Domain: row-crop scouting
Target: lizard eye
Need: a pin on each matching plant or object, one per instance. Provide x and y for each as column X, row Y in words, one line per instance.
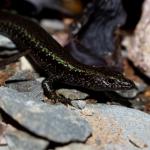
column 110, row 81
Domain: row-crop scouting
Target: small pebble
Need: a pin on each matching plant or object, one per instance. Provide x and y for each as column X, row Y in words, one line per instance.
column 72, row 94
column 79, row 104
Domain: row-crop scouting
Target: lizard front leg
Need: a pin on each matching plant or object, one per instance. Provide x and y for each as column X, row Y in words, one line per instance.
column 49, row 91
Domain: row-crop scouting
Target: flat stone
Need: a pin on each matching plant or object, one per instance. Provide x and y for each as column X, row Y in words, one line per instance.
column 79, row 104
column 119, row 126
column 18, row 140
column 31, row 88
column 72, row 94
column 54, row 122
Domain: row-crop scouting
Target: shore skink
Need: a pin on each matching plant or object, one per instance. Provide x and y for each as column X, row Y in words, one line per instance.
column 56, row 63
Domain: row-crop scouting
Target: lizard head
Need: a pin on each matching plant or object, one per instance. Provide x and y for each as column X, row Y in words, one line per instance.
column 110, row 80
column 113, row 83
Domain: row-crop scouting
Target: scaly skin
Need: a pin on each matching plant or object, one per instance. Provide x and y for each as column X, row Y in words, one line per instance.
column 55, row 61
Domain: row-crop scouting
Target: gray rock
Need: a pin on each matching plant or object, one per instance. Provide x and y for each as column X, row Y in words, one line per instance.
column 31, row 88
column 18, row 140
column 80, row 104
column 5, row 42
column 72, row 94
column 119, row 125
column 128, row 93
column 26, row 81
column 55, row 122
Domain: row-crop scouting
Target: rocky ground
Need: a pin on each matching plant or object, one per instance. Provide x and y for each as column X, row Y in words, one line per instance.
column 32, row 124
